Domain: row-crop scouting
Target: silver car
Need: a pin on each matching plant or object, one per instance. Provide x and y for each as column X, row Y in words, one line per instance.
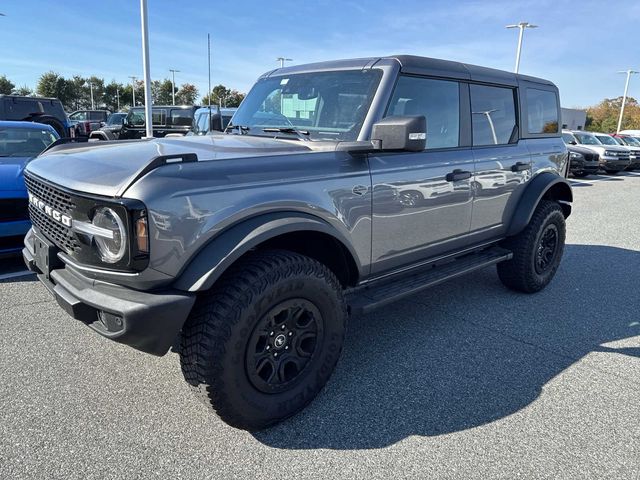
column 613, row 158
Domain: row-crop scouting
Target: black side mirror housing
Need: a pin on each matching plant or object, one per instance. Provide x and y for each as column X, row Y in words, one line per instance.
column 405, row 133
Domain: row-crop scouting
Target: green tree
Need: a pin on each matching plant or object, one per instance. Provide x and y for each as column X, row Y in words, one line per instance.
column 603, row 117
column 111, row 93
column 224, row 97
column 54, row 85
column 187, row 94
column 23, row 91
column 6, row 85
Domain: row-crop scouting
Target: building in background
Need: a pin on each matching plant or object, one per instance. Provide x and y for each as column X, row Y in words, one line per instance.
column 573, row 119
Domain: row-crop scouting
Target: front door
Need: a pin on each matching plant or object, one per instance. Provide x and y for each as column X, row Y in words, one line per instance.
column 421, row 200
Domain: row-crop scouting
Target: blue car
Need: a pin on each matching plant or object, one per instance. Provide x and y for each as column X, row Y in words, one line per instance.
column 19, row 143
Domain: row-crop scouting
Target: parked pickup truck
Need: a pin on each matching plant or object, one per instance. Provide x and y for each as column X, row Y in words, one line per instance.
column 247, row 251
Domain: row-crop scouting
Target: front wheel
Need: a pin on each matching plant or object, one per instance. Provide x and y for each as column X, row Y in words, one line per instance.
column 262, row 344
column 537, row 250
column 580, row 174
column 611, row 172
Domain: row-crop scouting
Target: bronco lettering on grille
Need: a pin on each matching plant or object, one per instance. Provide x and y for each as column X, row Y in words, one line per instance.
column 49, row 211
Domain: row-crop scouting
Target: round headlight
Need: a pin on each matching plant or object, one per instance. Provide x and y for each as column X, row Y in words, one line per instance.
column 111, row 249
column 575, row 156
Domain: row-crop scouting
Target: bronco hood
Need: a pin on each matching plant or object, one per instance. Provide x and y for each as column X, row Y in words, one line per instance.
column 109, row 168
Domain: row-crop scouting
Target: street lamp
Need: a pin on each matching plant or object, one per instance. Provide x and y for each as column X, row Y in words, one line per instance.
column 521, row 26
column 118, row 97
column 91, row 90
column 144, row 23
column 173, row 85
column 282, row 60
column 624, row 97
column 133, row 87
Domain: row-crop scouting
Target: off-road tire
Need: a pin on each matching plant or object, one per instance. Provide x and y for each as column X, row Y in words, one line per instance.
column 611, row 172
column 215, row 339
column 520, row 273
column 53, row 122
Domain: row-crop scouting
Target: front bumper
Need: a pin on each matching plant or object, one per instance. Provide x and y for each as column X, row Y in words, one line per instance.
column 579, row 165
column 146, row 321
column 614, row 163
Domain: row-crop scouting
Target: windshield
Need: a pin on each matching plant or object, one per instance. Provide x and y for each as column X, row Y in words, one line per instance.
column 568, row 138
column 631, row 141
column 136, row 117
column 116, row 118
column 587, row 139
column 606, row 140
column 322, row 105
column 24, row 142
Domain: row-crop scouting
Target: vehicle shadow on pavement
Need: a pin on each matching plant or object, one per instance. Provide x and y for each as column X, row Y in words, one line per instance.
column 468, row 352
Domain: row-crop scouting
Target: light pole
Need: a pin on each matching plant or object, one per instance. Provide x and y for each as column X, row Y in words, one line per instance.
column 173, row 85
column 118, row 97
column 91, row 90
column 144, row 22
column 521, row 26
column 624, row 97
column 282, row 60
column 133, row 89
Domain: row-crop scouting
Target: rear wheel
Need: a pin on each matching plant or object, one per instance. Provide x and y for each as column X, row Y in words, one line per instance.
column 53, row 122
column 262, row 344
column 611, row 172
column 537, row 250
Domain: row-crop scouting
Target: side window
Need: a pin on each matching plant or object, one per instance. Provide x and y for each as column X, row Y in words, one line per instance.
column 159, row 117
column 542, row 111
column 493, row 115
column 182, row 117
column 437, row 100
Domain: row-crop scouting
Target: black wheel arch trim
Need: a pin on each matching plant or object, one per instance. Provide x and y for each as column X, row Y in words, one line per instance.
column 538, row 187
column 208, row 264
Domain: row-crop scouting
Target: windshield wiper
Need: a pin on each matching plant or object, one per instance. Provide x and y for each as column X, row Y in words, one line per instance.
column 240, row 128
column 302, row 134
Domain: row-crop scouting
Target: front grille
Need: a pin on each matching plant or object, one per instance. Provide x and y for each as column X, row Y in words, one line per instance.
column 59, row 234
column 590, row 156
column 12, row 209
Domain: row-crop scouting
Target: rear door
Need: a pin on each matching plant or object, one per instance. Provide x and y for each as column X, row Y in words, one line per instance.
column 502, row 162
column 422, row 200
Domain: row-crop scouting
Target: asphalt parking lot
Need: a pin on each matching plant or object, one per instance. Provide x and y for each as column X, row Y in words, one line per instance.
column 466, row 380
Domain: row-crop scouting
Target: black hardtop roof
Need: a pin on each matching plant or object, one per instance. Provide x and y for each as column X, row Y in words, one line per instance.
column 420, row 66
column 29, row 97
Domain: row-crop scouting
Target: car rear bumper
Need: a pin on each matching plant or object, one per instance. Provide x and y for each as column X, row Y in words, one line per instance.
column 146, row 321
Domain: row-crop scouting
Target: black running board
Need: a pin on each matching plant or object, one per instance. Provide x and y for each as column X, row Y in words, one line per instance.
column 365, row 299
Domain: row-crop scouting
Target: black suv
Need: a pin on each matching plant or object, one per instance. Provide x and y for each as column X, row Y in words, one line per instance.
column 166, row 119
column 37, row 109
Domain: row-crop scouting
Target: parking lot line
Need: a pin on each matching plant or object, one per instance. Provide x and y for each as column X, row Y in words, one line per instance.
column 22, row 273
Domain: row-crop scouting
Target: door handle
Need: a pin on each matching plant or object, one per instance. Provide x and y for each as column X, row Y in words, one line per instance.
column 457, row 175
column 520, row 166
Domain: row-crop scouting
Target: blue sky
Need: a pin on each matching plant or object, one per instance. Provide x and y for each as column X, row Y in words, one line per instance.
column 580, row 44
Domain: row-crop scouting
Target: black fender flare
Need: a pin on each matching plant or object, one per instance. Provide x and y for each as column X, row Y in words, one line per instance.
column 206, row 266
column 544, row 184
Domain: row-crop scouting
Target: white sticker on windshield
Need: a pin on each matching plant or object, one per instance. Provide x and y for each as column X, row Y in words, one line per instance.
column 284, row 81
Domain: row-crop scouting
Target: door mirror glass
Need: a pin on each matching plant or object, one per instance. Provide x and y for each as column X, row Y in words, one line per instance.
column 406, row 133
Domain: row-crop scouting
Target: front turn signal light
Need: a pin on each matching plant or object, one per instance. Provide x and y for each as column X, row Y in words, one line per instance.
column 142, row 235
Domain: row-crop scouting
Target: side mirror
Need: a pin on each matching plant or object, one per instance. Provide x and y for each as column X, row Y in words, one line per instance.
column 405, row 133
column 573, row 142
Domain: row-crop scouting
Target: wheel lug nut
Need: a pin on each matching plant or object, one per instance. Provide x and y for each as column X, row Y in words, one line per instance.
column 271, row 334
column 282, row 328
column 290, row 333
column 287, row 347
column 268, row 347
column 275, row 354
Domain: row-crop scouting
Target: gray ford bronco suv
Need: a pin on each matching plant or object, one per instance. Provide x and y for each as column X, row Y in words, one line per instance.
column 337, row 188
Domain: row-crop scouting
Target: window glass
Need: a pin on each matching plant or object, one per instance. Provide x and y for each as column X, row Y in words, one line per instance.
column 437, row 100
column 326, row 105
column 542, row 111
column 159, row 117
column 493, row 115
column 24, row 142
column 181, row 117
column 568, row 138
column 78, row 116
column 587, row 139
column 606, row 140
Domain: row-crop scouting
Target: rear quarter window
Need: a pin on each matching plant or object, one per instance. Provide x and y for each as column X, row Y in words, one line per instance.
column 542, row 111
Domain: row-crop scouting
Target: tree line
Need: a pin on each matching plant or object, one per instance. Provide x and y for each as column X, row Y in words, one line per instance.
column 75, row 93
column 604, row 116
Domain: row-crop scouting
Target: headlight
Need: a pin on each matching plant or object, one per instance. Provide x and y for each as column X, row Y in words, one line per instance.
column 575, row 156
column 112, row 249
